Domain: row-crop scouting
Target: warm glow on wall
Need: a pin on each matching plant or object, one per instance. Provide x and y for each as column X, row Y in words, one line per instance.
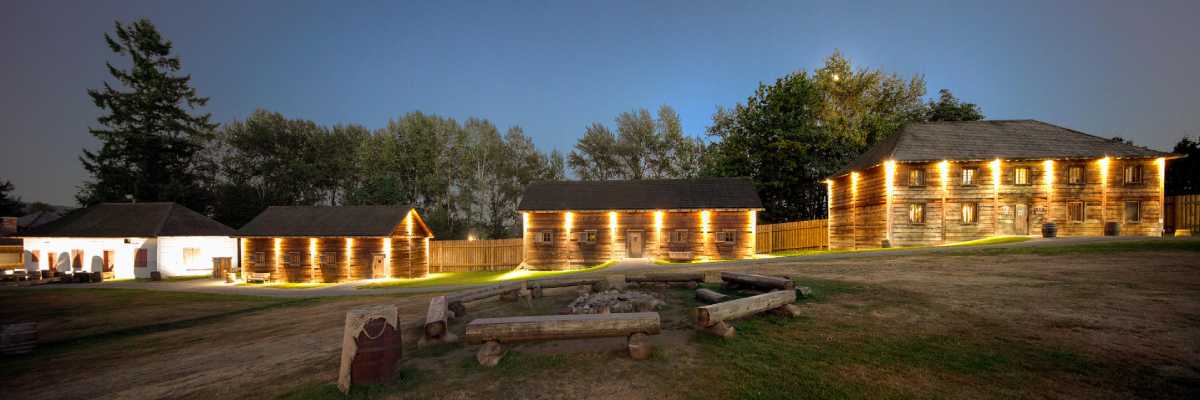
column 1103, row 188
column 524, row 222
column 387, row 257
column 889, row 177
column 349, row 256
column 312, row 259
column 854, row 183
column 658, row 220
column 568, row 220
column 612, row 224
column 278, row 250
column 995, row 166
column 1104, row 170
column 408, row 223
column 944, row 174
column 705, row 217
column 1161, row 163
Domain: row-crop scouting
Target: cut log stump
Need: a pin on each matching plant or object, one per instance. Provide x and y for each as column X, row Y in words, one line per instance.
column 490, row 354
column 640, row 347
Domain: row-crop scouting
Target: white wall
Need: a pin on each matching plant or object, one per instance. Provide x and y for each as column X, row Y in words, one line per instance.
column 170, row 254
column 93, row 254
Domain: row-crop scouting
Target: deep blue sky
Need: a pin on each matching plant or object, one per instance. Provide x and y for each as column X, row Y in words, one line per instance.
column 1116, row 68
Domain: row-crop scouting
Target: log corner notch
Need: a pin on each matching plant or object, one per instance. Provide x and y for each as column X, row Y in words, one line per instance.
column 437, row 327
column 713, row 318
column 737, row 280
column 492, row 332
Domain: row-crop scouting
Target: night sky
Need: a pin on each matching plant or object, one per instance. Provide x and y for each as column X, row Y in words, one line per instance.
column 1107, row 68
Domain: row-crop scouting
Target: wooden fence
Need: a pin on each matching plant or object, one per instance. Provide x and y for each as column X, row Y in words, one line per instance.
column 1183, row 212
column 474, row 255
column 813, row 234
column 11, row 257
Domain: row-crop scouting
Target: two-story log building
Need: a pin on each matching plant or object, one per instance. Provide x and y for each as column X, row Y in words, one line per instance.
column 575, row 224
column 942, row 182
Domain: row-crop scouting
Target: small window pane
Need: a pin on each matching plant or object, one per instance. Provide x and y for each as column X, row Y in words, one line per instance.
column 679, row 236
column 1133, row 174
column 916, row 213
column 1133, row 211
column 1021, row 176
column 968, row 176
column 916, row 177
column 969, row 211
column 1075, row 175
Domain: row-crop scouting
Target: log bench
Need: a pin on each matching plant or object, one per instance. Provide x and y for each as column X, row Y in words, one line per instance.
column 692, row 279
column 457, row 302
column 679, row 255
column 712, row 318
column 491, row 332
column 738, row 280
column 537, row 286
column 258, row 277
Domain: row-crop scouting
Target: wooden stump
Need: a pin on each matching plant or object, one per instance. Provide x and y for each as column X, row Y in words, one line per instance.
column 490, row 354
column 436, row 318
column 640, row 347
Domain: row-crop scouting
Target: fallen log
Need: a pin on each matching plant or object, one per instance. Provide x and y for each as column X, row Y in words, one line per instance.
column 758, row 281
column 677, row 277
column 594, row 284
column 712, row 314
column 494, row 331
column 710, row 296
column 435, row 318
column 457, row 302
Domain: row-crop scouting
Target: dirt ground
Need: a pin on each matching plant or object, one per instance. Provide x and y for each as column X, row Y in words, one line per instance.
column 1110, row 325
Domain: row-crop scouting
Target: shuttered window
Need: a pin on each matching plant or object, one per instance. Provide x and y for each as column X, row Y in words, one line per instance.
column 726, row 237
column 916, row 177
column 968, row 176
column 543, row 237
column 1075, row 212
column 1020, row 176
column 292, row 259
column 588, row 236
column 328, row 259
column 1133, row 174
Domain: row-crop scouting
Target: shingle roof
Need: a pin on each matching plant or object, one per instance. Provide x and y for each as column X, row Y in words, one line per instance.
column 310, row 221
column 131, row 220
column 686, row 194
column 986, row 140
column 39, row 218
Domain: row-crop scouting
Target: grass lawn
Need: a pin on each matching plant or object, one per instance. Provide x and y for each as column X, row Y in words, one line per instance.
column 476, row 278
column 1186, row 245
column 288, row 285
column 977, row 242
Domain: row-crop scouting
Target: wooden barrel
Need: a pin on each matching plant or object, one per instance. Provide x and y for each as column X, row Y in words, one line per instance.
column 18, row 338
column 1049, row 230
column 1112, row 229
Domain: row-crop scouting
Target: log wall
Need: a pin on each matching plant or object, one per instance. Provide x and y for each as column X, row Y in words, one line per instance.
column 350, row 258
column 858, row 219
column 610, row 244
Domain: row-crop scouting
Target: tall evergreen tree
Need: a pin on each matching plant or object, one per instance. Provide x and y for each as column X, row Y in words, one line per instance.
column 151, row 142
column 9, row 206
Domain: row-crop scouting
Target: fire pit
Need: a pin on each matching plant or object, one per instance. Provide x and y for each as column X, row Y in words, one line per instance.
column 613, row 301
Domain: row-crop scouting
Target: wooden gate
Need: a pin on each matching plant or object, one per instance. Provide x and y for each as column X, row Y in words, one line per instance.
column 1182, row 212
column 475, row 255
column 222, row 266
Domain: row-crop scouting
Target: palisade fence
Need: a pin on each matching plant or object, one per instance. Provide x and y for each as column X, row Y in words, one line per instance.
column 1183, row 212
column 812, row 234
column 474, row 255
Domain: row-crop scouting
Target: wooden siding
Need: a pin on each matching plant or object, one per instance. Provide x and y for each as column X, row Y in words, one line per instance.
column 352, row 258
column 563, row 252
column 859, row 220
column 813, row 234
column 12, row 257
column 474, row 255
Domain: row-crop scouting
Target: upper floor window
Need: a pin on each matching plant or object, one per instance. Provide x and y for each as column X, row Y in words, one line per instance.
column 1075, row 175
column 968, row 176
column 1021, row 176
column 1133, row 174
column 916, row 177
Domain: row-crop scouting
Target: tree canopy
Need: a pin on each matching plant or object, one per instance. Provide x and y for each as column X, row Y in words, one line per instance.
column 9, row 206
column 1183, row 174
column 949, row 108
column 149, row 138
column 644, row 147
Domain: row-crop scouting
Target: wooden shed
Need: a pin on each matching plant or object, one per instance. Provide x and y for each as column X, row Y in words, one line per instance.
column 943, row 182
column 570, row 224
column 335, row 244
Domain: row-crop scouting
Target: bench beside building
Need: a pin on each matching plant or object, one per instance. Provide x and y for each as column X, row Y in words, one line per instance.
column 130, row 240
column 943, row 182
column 336, row 244
column 571, row 224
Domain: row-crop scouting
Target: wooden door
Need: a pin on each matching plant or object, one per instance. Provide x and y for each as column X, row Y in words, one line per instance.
column 1021, row 220
column 222, row 266
column 634, row 240
column 108, row 261
column 377, row 267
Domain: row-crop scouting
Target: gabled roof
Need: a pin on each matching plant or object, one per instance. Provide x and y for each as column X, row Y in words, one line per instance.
column 131, row 220
column 987, row 140
column 38, row 218
column 326, row 221
column 665, row 194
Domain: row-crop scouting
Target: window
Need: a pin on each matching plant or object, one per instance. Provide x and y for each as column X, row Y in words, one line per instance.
column 1021, row 176
column 191, row 257
column 77, row 259
column 1133, row 211
column 679, row 236
column 1133, row 174
column 544, row 237
column 916, row 213
column 916, row 177
column 1075, row 211
column 328, row 259
column 588, row 236
column 968, row 176
column 292, row 259
column 1075, row 175
column 141, row 259
column 970, row 213
column 726, row 237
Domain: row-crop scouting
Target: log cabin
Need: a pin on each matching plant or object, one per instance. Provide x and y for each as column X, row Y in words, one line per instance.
column 336, row 244
column 571, row 224
column 942, row 182
column 130, row 240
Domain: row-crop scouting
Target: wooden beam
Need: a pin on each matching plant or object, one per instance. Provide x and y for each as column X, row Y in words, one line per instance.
column 545, row 327
column 758, row 281
column 710, row 297
column 712, row 314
